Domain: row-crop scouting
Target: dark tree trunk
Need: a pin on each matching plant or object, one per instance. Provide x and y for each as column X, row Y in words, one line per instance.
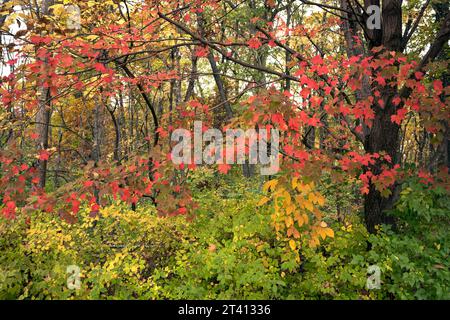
column 42, row 128
column 383, row 137
column 384, row 134
column 441, row 11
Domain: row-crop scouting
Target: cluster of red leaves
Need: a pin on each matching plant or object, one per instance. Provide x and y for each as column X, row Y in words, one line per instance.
column 324, row 85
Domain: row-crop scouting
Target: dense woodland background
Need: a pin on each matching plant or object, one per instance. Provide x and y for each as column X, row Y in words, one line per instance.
column 88, row 105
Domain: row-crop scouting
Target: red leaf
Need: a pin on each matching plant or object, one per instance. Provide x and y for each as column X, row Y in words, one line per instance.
column 396, row 101
column 398, row 118
column 66, row 61
column 380, row 80
column 418, row 75
column 75, row 206
column 11, row 205
column 201, row 52
column 100, row 67
column 89, row 183
column 224, row 168
column 317, row 60
column 44, row 155
column 438, row 87
column 254, row 43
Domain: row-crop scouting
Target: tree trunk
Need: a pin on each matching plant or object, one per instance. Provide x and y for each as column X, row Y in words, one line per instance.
column 42, row 129
column 193, row 77
column 441, row 11
column 43, row 113
column 383, row 137
column 384, row 134
column 97, row 130
column 216, row 72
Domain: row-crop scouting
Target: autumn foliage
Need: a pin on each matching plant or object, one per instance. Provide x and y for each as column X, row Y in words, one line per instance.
column 87, row 112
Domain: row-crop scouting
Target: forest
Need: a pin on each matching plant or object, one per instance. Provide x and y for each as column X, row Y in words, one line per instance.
column 224, row 150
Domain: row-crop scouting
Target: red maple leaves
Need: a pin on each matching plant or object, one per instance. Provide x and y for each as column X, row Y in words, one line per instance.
column 44, row 155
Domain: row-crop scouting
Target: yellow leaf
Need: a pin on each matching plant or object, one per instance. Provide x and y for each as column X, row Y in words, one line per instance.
column 308, row 205
column 134, row 269
column 292, row 244
column 289, row 222
column 305, row 188
column 314, row 242
column 263, row 201
column 290, row 209
column 322, row 233
column 305, row 218
column 320, row 200
column 329, row 232
column 299, row 219
column 316, row 198
column 312, row 198
column 58, row 9
column 290, row 231
column 270, row 185
column 287, row 198
column 294, row 182
column 92, row 37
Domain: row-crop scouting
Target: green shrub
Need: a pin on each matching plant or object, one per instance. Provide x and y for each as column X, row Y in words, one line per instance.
column 417, row 254
column 229, row 251
column 233, row 255
column 116, row 253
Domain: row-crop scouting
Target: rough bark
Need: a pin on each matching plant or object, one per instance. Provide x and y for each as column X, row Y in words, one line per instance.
column 384, row 134
column 43, row 113
column 441, row 11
